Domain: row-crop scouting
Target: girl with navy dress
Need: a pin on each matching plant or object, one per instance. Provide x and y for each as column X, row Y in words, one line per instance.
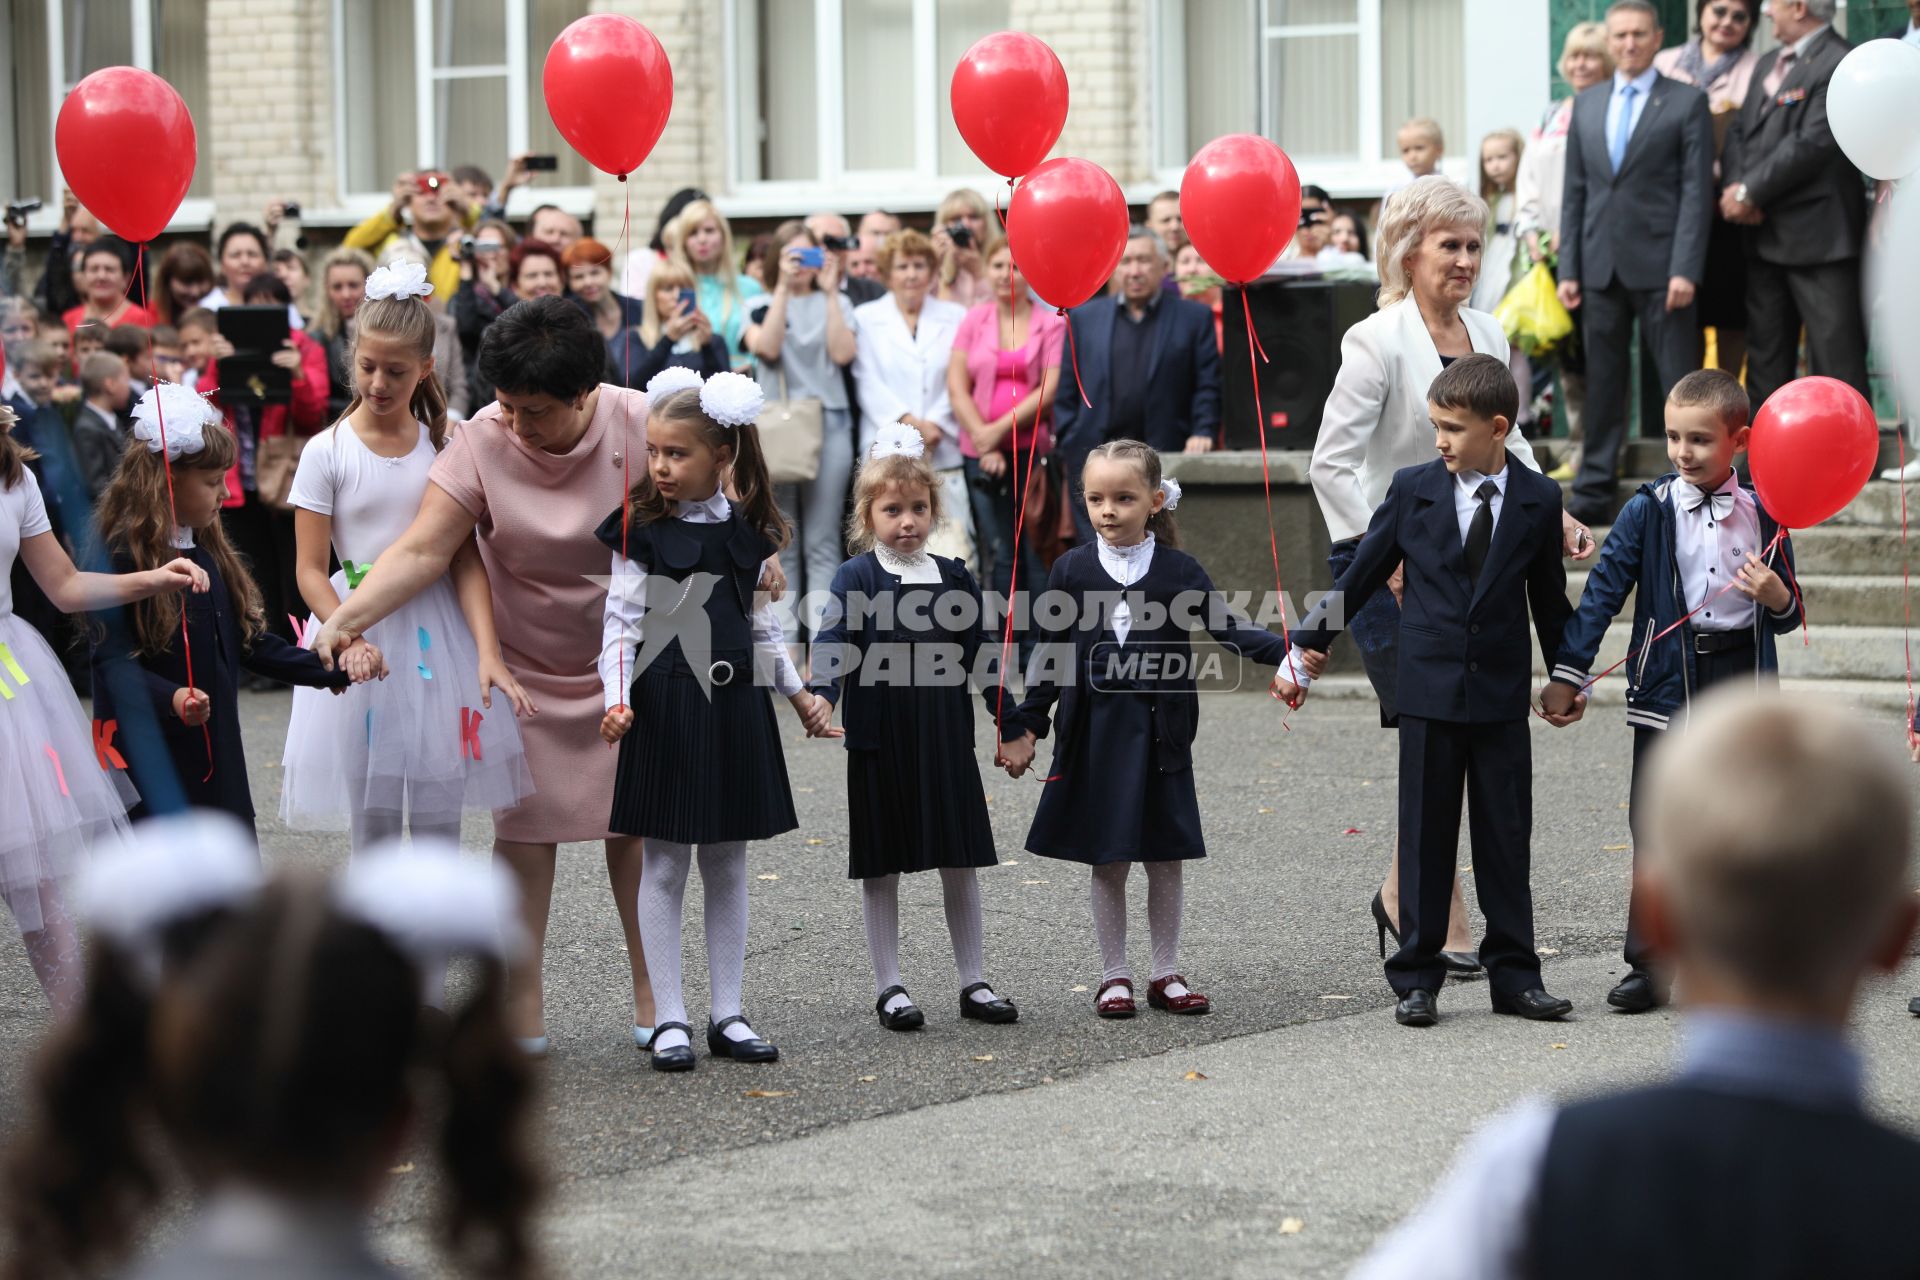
column 903, row 634
column 686, row 657
column 1116, row 678
column 226, row 629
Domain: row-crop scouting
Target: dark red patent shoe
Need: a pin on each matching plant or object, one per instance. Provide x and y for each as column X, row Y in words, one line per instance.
column 1114, row 1006
column 1191, row 1002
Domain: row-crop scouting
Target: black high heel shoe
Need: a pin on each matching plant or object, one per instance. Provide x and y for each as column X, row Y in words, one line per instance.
column 906, row 1018
column 1386, row 923
column 678, row 1058
column 720, row 1046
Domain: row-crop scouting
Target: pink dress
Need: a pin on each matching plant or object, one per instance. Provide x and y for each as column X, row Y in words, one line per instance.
column 979, row 338
column 536, row 513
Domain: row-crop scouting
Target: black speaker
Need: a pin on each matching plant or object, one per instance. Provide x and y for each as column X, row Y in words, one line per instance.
column 1299, row 324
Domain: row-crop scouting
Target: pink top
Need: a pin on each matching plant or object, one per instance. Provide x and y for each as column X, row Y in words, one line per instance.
column 537, row 512
column 979, row 337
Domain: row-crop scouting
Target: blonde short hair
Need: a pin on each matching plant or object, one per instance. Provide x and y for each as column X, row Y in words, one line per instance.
column 1423, row 205
column 1772, row 818
column 1585, row 37
column 1424, row 127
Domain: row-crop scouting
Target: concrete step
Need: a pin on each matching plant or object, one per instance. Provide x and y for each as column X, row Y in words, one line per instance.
column 1877, row 504
column 1832, row 548
column 1834, row 600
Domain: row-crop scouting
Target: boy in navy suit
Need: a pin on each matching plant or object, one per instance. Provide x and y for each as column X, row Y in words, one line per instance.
column 1770, row 819
column 1676, row 546
column 1481, row 542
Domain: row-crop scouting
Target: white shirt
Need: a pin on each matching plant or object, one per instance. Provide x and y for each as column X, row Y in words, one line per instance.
column 23, row 515
column 1711, row 548
column 627, row 604
column 1643, row 85
column 918, row 567
column 219, row 299
column 1466, row 486
column 370, row 498
column 10, row 388
column 1126, row 566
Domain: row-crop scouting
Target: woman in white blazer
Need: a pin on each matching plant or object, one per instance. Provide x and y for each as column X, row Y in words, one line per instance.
column 900, row 375
column 1375, row 423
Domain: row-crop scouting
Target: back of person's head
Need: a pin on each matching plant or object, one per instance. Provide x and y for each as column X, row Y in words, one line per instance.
column 129, row 342
column 1777, row 850
column 200, row 319
column 1425, row 128
column 1479, row 384
column 99, row 370
column 472, row 175
column 1716, row 390
column 542, row 346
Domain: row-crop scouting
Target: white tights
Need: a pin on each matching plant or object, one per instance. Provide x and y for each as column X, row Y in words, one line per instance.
column 960, row 890
column 55, row 954
column 664, row 866
column 1166, row 895
column 371, row 831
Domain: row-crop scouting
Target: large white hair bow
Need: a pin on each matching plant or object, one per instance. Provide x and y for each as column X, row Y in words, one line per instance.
column 171, row 869
column 732, row 399
column 675, row 377
column 1170, row 487
column 400, row 280
column 432, row 903
column 188, row 415
column 897, row 439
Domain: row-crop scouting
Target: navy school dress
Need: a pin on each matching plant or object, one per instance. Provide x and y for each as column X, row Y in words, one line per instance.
column 1121, row 785
column 215, row 630
column 694, row 770
column 914, row 799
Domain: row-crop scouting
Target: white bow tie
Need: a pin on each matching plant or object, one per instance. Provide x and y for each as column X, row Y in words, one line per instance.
column 1691, row 496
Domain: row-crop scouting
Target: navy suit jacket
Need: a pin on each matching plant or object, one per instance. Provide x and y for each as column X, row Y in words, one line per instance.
column 1183, row 377
column 1463, row 649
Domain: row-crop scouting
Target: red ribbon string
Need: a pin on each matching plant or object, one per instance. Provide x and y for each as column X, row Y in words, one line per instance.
column 626, row 421
column 996, row 206
column 1906, row 573
column 1019, row 526
column 1075, row 350
column 1266, row 481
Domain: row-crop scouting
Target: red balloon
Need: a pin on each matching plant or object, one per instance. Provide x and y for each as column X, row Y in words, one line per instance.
column 127, row 149
column 1240, row 205
column 1009, row 97
column 609, row 89
column 1814, row 446
column 1067, row 224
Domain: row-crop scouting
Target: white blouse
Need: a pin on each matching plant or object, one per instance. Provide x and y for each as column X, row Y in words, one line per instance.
column 1126, row 566
column 620, row 633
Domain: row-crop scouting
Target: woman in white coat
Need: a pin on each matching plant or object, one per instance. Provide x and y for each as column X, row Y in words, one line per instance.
column 900, row 375
column 1428, row 250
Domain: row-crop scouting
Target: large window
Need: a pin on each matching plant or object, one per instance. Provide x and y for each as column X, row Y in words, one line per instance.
column 48, row 46
column 440, row 83
column 1330, row 80
column 838, row 93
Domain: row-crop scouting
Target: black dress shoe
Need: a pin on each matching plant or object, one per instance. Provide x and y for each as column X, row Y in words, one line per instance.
column 1913, row 1006
column 1535, row 1004
column 994, row 1010
column 1417, row 1008
column 1461, row 961
column 752, row 1050
column 678, row 1058
column 906, row 1018
column 1636, row 993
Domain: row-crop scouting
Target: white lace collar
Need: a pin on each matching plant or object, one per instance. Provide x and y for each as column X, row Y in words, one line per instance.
column 895, row 563
column 1127, row 564
column 182, row 538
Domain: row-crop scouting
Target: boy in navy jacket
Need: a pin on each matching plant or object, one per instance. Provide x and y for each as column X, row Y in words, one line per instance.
column 1677, row 544
column 1481, row 543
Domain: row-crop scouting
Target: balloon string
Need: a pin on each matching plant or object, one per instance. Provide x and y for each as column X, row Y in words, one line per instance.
column 173, row 517
column 626, row 418
column 1266, row 481
column 996, row 206
column 1019, row 525
column 1074, row 348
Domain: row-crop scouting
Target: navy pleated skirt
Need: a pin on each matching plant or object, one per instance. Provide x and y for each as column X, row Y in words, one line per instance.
column 916, row 803
column 700, row 772
column 1109, row 802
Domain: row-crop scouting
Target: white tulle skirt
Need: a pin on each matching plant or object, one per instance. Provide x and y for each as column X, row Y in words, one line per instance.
column 417, row 744
column 56, row 801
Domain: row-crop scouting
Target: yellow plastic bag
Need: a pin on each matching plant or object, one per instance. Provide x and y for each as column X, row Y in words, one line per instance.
column 1531, row 314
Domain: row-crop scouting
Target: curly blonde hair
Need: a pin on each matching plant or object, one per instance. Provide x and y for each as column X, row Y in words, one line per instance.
column 1424, row 205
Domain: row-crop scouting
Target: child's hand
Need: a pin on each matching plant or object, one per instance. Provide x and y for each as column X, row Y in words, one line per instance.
column 363, row 662
column 816, row 714
column 178, row 574
column 1561, row 704
column 1288, row 692
column 616, row 723
column 1763, row 584
column 494, row 675
column 1016, row 757
column 190, row 706
column 1312, row 661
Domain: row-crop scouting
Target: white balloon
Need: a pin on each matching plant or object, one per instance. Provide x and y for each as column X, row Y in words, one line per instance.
column 1895, row 281
column 1873, row 106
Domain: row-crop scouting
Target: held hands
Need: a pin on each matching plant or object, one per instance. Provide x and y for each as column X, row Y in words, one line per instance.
column 494, row 675
column 1016, row 757
column 816, row 715
column 1763, row 585
column 363, row 662
column 1287, row 691
column 1561, row 704
column 178, row 574
column 615, row 724
column 1312, row 661
column 191, row 707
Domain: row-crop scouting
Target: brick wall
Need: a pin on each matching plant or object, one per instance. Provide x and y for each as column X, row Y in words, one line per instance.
column 692, row 151
column 1103, row 48
column 270, row 103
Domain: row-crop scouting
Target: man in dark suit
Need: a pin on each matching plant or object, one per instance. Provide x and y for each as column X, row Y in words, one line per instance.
column 1151, row 367
column 1480, row 542
column 1788, row 180
column 1635, row 213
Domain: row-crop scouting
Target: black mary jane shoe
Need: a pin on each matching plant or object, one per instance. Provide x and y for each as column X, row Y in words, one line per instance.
column 1417, row 1008
column 906, row 1018
column 678, row 1058
column 994, row 1010
column 753, row 1050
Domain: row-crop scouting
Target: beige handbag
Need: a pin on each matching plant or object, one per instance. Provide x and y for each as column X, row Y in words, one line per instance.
column 275, row 460
column 790, row 436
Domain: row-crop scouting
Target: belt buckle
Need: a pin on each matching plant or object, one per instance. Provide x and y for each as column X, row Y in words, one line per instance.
column 720, row 672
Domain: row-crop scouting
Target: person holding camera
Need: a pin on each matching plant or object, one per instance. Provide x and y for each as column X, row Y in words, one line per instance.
column 959, row 232
column 428, row 212
column 701, row 239
column 59, row 290
column 673, row 331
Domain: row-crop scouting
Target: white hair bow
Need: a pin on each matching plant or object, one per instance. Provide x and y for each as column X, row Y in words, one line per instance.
column 1170, row 487
column 431, row 902
column 675, row 377
column 187, row 416
column 897, row 439
column 732, row 399
column 400, row 280
column 171, row 868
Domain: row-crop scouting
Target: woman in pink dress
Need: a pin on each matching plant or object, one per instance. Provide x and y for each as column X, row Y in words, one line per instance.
column 1004, row 370
column 528, row 479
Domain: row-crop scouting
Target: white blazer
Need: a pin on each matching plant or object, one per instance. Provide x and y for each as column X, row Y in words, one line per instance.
column 1376, row 422
column 896, row 372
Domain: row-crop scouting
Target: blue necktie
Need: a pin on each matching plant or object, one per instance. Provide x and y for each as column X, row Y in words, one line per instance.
column 1623, row 130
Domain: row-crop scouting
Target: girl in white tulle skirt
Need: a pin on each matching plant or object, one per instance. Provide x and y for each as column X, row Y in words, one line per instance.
column 63, row 788
column 429, row 742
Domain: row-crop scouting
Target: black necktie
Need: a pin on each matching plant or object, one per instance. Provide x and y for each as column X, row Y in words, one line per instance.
column 1480, row 530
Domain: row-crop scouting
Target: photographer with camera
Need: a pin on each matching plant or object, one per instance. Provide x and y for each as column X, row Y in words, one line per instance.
column 701, row 240
column 59, row 290
column 427, row 213
column 13, row 266
column 959, row 233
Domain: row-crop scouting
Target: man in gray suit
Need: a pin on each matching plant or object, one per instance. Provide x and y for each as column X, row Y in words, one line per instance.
column 1636, row 208
column 1787, row 178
